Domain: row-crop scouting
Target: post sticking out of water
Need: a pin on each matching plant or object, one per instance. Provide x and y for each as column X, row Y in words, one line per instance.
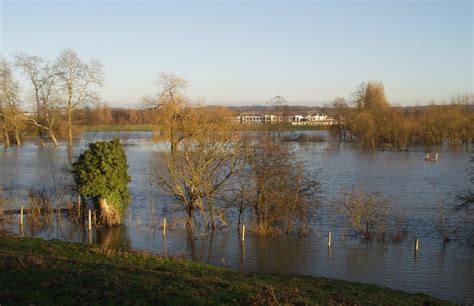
column 78, row 205
column 164, row 226
column 21, row 215
column 329, row 239
column 417, row 244
column 243, row 232
column 90, row 219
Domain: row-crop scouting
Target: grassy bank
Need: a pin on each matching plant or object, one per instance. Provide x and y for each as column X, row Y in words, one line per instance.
column 35, row 271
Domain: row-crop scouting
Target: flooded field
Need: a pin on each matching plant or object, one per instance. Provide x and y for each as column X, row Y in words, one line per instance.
column 414, row 188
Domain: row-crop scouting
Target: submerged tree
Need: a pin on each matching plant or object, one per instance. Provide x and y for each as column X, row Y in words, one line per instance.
column 282, row 191
column 10, row 112
column 371, row 118
column 466, row 200
column 202, row 155
column 100, row 174
column 365, row 212
column 43, row 78
column 77, row 80
column 341, row 114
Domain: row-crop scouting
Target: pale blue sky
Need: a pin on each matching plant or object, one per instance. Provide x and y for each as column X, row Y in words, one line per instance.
column 247, row 52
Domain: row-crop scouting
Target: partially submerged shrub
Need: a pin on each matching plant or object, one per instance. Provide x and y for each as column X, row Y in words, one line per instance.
column 282, row 191
column 443, row 224
column 365, row 212
column 100, row 174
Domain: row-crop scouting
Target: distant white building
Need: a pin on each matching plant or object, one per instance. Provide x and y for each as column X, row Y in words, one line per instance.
column 251, row 119
column 312, row 119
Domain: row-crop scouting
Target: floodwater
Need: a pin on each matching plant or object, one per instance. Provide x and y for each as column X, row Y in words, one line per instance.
column 415, row 189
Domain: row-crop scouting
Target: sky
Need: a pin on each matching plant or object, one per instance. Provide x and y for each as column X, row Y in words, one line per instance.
column 246, row 52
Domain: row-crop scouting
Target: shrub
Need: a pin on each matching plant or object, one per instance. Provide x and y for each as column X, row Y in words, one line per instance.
column 100, row 174
column 365, row 212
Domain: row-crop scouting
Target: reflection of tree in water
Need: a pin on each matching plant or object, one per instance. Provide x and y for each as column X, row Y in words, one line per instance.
column 190, row 245
column 279, row 255
column 116, row 236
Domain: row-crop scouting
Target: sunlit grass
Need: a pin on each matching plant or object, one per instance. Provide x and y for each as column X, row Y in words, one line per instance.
column 36, row 271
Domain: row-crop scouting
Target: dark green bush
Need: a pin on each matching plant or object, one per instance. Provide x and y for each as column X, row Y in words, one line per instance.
column 100, row 174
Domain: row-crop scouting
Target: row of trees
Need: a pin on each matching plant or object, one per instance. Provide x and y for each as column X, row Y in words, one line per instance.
column 103, row 114
column 376, row 124
column 58, row 89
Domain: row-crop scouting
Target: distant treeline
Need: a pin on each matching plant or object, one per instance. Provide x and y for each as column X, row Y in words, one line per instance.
column 371, row 119
column 63, row 97
column 106, row 115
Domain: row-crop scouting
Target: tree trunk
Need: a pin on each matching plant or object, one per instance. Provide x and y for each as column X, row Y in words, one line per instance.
column 6, row 137
column 40, row 138
column 189, row 220
column 53, row 137
column 38, row 118
column 69, row 127
column 108, row 214
column 17, row 136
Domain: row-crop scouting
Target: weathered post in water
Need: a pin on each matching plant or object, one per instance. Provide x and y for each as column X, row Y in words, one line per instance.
column 164, row 226
column 329, row 239
column 243, row 232
column 90, row 219
column 79, row 207
column 417, row 244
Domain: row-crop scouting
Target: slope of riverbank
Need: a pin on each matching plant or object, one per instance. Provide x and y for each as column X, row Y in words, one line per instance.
column 35, row 271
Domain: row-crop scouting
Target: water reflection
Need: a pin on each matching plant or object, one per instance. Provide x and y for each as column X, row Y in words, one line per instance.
column 113, row 237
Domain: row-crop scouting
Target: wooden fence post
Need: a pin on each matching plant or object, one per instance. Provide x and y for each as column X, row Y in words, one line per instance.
column 21, row 215
column 90, row 219
column 164, row 226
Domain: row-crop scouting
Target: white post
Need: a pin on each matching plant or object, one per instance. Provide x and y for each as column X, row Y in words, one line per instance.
column 243, row 232
column 90, row 219
column 21, row 215
column 164, row 226
column 329, row 239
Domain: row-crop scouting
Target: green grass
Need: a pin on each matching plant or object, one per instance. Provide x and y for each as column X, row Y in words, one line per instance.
column 39, row 272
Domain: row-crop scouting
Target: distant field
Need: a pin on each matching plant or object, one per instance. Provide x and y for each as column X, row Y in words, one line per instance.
column 151, row 127
column 282, row 127
column 40, row 272
column 119, row 128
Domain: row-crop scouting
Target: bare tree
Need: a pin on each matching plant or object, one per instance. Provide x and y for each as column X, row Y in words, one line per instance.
column 465, row 201
column 203, row 152
column 341, row 113
column 9, row 103
column 169, row 106
column 443, row 224
column 42, row 76
column 77, row 80
column 240, row 194
column 206, row 158
column 283, row 191
column 365, row 212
